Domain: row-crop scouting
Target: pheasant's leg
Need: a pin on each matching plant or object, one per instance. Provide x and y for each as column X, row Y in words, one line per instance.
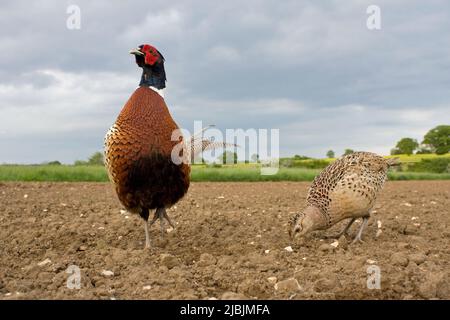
column 144, row 215
column 161, row 223
column 155, row 217
column 147, row 236
column 363, row 225
column 343, row 232
column 167, row 218
column 161, row 214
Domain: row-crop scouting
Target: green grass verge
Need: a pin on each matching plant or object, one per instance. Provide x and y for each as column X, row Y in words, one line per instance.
column 418, row 176
column 52, row 173
column 251, row 173
column 404, row 158
column 199, row 173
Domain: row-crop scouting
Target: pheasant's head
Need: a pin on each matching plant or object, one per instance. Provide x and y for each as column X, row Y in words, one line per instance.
column 152, row 63
column 147, row 55
column 302, row 223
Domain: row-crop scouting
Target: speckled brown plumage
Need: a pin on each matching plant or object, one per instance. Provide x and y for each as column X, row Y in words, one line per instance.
column 138, row 154
column 347, row 188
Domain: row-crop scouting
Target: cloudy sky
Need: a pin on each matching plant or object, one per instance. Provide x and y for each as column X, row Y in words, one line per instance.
column 311, row 69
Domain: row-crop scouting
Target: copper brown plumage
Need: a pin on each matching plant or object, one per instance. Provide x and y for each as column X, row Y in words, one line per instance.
column 138, row 154
column 140, row 147
column 138, row 157
column 346, row 189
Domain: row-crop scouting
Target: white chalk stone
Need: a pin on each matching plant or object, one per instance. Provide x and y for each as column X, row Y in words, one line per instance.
column 335, row 244
column 44, row 262
column 107, row 273
column 272, row 280
column 407, row 204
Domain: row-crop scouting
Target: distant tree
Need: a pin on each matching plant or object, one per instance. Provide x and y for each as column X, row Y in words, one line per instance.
column 80, row 163
column 255, row 157
column 299, row 157
column 96, row 159
column 407, row 146
column 438, row 139
column 423, row 150
column 348, row 151
column 228, row 157
column 54, row 163
column 330, row 154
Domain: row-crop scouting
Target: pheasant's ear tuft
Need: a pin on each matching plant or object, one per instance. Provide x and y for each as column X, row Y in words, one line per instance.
column 151, row 54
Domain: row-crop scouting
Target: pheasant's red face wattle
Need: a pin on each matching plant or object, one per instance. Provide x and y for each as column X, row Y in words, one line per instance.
column 151, row 54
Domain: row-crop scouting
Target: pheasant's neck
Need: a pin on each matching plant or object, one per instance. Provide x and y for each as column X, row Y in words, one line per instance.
column 316, row 219
column 153, row 77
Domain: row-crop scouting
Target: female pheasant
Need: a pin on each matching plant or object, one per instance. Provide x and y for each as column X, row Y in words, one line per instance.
column 346, row 189
column 138, row 147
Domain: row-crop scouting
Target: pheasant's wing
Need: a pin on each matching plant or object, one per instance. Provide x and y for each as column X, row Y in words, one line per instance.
column 340, row 172
column 324, row 184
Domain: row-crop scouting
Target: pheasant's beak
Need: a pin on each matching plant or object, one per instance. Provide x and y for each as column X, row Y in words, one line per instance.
column 136, row 52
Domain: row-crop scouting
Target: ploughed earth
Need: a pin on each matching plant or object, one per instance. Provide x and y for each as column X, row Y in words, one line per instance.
column 74, row 241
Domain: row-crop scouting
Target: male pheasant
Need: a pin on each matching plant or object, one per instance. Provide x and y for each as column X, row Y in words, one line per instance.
column 346, row 189
column 138, row 147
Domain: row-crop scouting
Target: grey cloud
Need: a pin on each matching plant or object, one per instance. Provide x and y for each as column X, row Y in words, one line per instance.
column 302, row 67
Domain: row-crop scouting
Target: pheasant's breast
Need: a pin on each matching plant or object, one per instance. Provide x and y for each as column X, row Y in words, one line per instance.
column 138, row 151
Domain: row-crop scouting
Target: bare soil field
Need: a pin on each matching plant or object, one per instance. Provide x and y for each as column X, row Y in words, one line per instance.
column 229, row 242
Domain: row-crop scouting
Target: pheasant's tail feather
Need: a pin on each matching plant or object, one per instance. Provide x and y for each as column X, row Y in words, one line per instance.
column 198, row 135
column 393, row 162
column 200, row 146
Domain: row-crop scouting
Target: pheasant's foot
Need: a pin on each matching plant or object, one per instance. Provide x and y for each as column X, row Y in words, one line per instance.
column 363, row 225
column 357, row 239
